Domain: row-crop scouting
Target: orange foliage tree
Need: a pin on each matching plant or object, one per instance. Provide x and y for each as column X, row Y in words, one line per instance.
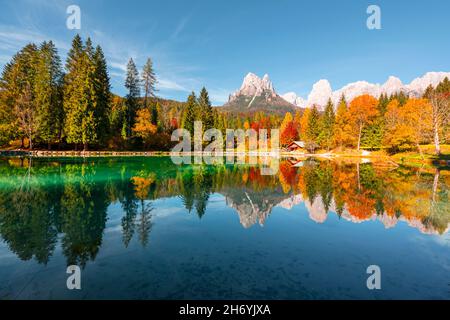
column 362, row 111
column 288, row 130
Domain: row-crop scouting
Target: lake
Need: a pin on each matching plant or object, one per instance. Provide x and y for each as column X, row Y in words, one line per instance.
column 145, row 228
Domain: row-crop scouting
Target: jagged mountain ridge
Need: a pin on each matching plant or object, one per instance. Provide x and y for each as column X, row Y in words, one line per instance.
column 257, row 94
column 254, row 207
column 322, row 89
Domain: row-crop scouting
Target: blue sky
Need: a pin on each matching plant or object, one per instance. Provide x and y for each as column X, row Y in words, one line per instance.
column 215, row 43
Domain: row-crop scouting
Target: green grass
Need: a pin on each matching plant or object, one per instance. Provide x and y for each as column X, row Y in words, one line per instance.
column 429, row 157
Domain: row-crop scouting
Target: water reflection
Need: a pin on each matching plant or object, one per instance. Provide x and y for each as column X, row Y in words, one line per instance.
column 44, row 201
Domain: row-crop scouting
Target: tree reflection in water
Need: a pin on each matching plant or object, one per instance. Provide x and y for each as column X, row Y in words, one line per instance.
column 43, row 199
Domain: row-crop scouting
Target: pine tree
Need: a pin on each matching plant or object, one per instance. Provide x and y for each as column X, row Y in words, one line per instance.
column 48, row 94
column 327, row 126
column 401, row 97
column 372, row 135
column 80, row 96
column 89, row 48
column 206, row 110
column 444, row 86
column 73, row 92
column 154, row 113
column 103, row 94
column 313, row 129
column 131, row 102
column 190, row 113
column 383, row 102
column 148, row 81
column 239, row 124
column 428, row 92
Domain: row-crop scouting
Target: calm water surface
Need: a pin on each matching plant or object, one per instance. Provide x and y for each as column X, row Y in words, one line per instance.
column 145, row 228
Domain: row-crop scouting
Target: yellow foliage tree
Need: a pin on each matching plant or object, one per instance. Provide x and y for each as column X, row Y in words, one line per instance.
column 304, row 123
column 343, row 135
column 409, row 125
column 144, row 127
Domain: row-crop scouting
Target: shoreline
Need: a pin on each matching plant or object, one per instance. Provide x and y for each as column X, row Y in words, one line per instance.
column 395, row 159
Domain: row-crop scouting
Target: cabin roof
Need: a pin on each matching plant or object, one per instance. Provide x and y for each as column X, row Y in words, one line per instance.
column 300, row 144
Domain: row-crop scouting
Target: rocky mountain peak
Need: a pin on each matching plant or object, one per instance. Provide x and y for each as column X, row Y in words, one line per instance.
column 254, row 86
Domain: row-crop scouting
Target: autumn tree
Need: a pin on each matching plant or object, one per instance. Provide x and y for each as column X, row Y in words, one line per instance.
column 343, row 128
column 409, row 125
column 18, row 86
column 7, row 118
column 143, row 126
column 362, row 112
column 420, row 113
column 304, row 123
column 288, row 130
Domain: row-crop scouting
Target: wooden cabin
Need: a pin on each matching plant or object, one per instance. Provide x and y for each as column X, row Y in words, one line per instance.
column 296, row 146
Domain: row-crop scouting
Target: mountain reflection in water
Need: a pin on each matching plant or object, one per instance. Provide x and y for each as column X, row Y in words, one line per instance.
column 44, row 201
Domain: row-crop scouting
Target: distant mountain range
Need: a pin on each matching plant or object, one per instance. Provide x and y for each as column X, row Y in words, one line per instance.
column 322, row 91
column 258, row 94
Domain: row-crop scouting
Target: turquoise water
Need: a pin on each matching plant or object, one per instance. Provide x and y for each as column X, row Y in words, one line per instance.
column 145, row 228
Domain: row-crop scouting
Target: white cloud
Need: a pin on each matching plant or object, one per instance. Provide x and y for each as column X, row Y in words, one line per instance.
column 117, row 74
column 118, row 65
column 12, row 39
column 170, row 85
